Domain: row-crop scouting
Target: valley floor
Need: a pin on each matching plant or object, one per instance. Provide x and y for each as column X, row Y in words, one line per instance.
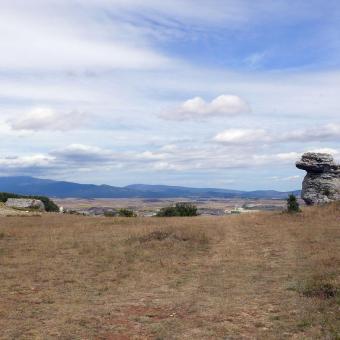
column 254, row 276
column 148, row 207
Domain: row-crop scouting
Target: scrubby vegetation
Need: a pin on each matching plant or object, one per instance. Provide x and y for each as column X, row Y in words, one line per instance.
column 292, row 204
column 50, row 206
column 126, row 213
column 173, row 235
column 110, row 213
column 180, row 210
column 320, row 288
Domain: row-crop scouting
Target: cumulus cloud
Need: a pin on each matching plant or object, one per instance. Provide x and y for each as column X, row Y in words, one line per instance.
column 48, row 119
column 198, row 108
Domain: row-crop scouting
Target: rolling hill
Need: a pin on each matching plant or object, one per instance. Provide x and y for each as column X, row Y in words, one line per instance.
column 35, row 186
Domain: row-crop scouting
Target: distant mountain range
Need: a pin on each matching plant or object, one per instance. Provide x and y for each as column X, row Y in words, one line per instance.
column 35, row 186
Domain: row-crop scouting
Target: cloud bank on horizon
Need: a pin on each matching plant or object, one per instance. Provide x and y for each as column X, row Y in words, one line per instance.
column 220, row 93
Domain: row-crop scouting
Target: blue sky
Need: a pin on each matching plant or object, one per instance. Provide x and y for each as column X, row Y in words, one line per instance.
column 211, row 94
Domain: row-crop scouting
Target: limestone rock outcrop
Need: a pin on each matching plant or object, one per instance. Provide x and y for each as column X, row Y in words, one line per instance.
column 25, row 203
column 322, row 182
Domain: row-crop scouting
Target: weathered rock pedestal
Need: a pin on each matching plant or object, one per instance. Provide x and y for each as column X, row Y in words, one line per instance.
column 322, row 182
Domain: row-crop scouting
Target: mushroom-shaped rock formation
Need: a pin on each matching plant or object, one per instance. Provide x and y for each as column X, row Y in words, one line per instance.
column 322, row 182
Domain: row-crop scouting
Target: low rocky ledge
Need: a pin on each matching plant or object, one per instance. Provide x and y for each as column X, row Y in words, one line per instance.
column 25, row 203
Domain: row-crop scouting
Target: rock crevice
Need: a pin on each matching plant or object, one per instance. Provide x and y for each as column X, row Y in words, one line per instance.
column 322, row 182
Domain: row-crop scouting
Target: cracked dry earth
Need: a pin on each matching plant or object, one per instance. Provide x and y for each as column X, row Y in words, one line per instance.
column 233, row 277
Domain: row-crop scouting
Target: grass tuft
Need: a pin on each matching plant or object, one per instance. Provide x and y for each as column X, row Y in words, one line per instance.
column 321, row 290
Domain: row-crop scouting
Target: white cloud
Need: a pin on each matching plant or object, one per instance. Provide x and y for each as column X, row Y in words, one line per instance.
column 149, row 155
column 292, row 178
column 241, row 136
column 198, row 108
column 171, row 13
column 80, row 153
column 74, row 156
column 85, row 35
column 21, row 162
column 323, row 132
column 255, row 60
column 166, row 166
column 288, row 156
column 260, row 136
column 287, row 178
column 48, row 119
column 331, row 151
column 334, row 152
column 75, row 159
column 48, row 38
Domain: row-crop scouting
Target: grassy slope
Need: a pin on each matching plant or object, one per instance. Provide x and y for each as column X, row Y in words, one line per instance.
column 177, row 278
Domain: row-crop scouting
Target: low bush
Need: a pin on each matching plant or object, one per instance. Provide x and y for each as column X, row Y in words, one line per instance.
column 180, row 209
column 126, row 213
column 109, row 213
column 292, row 204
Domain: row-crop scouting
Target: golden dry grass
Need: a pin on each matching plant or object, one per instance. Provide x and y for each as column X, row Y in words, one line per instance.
column 258, row 276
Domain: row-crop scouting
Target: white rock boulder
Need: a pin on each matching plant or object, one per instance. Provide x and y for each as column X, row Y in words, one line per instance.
column 25, row 203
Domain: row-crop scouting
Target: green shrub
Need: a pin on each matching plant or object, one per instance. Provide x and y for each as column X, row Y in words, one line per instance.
column 180, row 209
column 109, row 213
column 292, row 204
column 167, row 212
column 126, row 213
column 50, row 206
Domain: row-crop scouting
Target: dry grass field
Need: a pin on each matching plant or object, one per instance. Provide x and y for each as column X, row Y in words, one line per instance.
column 257, row 276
